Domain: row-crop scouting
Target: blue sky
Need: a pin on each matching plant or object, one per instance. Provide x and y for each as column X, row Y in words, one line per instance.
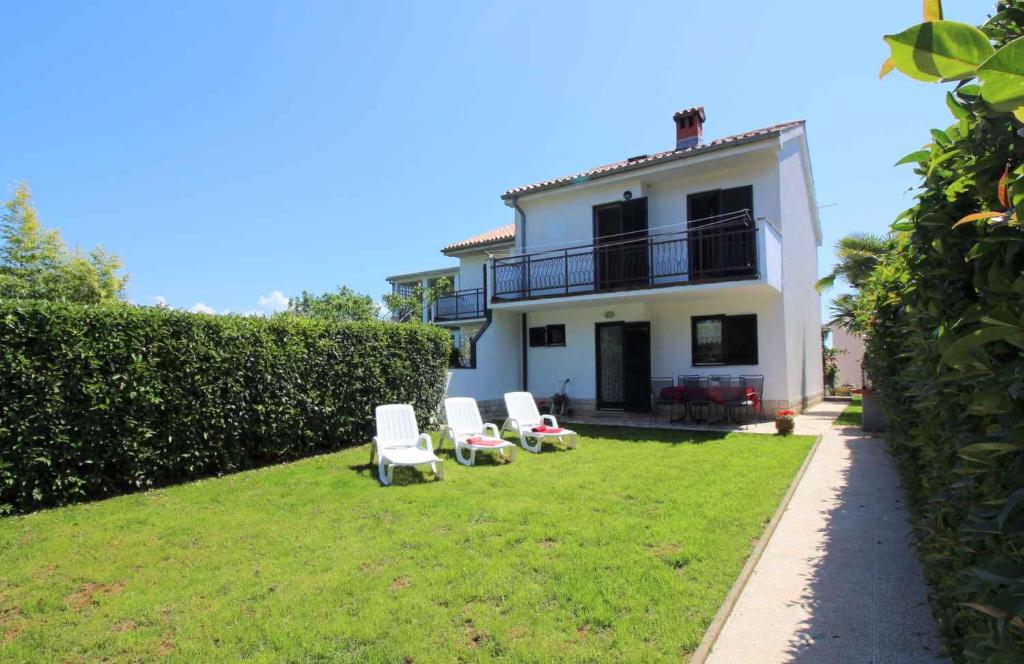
column 228, row 150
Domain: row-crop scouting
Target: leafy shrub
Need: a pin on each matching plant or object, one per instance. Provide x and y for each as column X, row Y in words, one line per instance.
column 944, row 316
column 101, row 400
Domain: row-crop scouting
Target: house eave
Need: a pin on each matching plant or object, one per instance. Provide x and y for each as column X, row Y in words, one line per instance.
column 423, row 274
column 476, row 248
column 510, row 196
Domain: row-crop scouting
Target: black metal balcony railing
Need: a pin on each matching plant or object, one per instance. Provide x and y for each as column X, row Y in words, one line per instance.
column 669, row 259
column 461, row 305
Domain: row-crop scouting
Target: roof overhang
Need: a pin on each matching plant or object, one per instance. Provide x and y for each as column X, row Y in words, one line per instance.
column 476, row 248
column 712, row 150
column 424, row 274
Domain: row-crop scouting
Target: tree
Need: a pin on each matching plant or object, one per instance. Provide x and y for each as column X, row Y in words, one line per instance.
column 406, row 307
column 343, row 306
column 35, row 264
column 858, row 254
column 844, row 310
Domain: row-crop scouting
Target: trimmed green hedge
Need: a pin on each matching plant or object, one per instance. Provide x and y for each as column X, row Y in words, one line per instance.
column 944, row 317
column 102, row 400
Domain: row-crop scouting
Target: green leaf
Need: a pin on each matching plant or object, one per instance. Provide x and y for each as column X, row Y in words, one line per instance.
column 915, row 158
column 969, row 91
column 985, row 448
column 958, row 111
column 1002, row 77
column 939, row 50
column 977, row 339
column 1011, row 502
column 941, row 137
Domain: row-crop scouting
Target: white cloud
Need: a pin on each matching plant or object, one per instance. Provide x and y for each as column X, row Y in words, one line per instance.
column 160, row 301
column 273, row 302
column 200, row 308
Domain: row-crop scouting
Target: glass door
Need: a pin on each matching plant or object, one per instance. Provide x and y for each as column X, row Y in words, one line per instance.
column 624, row 366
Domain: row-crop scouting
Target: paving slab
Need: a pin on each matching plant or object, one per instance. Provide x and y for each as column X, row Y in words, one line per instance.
column 838, row 580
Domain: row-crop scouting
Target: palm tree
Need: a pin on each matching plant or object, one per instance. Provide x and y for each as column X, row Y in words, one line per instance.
column 844, row 312
column 858, row 255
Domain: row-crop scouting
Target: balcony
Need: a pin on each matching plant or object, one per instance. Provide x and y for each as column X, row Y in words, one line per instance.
column 461, row 305
column 653, row 261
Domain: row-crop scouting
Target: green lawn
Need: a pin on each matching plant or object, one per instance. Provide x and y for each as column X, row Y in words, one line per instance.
column 851, row 417
column 621, row 550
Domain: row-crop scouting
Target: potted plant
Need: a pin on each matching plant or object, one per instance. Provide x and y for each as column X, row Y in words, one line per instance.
column 784, row 422
column 872, row 416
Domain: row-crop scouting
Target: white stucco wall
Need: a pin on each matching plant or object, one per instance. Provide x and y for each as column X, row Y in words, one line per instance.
column 565, row 216
column 801, row 302
column 471, row 270
column 549, row 366
column 671, row 337
column 850, row 358
column 789, row 341
column 497, row 367
column 670, row 340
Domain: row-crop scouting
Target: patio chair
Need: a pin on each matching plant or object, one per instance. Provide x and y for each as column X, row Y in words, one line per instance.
column 467, row 430
column 526, row 421
column 698, row 404
column 659, row 397
column 753, row 403
column 719, row 381
column 399, row 443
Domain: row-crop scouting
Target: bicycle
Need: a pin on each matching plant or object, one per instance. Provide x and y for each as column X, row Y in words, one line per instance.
column 560, row 402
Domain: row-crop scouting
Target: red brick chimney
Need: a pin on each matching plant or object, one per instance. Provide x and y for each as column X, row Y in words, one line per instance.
column 689, row 127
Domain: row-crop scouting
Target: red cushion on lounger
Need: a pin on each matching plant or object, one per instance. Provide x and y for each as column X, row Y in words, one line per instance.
column 543, row 428
column 480, row 441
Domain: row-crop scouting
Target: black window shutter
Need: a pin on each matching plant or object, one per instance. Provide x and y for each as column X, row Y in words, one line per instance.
column 538, row 336
column 740, row 334
column 634, row 217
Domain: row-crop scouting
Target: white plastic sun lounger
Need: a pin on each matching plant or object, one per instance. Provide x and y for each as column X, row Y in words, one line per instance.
column 399, row 443
column 467, row 430
column 526, row 420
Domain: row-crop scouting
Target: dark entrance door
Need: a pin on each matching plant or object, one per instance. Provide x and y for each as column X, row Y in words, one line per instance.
column 620, row 244
column 624, row 366
column 721, row 245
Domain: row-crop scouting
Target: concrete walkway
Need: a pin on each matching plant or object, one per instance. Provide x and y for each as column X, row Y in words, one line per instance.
column 838, row 581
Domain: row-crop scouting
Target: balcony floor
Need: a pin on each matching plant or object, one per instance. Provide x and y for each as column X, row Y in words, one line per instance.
column 642, row 294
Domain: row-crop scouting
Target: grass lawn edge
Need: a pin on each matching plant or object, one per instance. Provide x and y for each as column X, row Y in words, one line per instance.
column 714, row 630
column 713, row 611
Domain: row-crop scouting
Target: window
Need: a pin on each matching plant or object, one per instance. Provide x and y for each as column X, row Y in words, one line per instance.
column 721, row 241
column 724, row 339
column 550, row 335
column 538, row 336
column 556, row 335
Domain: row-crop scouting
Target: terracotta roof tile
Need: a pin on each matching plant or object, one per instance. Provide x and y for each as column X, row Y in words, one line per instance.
column 505, row 233
column 651, row 159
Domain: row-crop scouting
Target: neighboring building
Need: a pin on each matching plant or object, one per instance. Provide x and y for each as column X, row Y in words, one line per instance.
column 697, row 260
column 464, row 310
column 849, row 358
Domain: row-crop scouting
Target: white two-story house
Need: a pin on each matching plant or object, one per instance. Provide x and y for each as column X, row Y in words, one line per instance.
column 697, row 260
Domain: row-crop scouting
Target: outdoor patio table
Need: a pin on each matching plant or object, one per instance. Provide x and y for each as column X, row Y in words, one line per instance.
column 720, row 396
column 676, row 394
